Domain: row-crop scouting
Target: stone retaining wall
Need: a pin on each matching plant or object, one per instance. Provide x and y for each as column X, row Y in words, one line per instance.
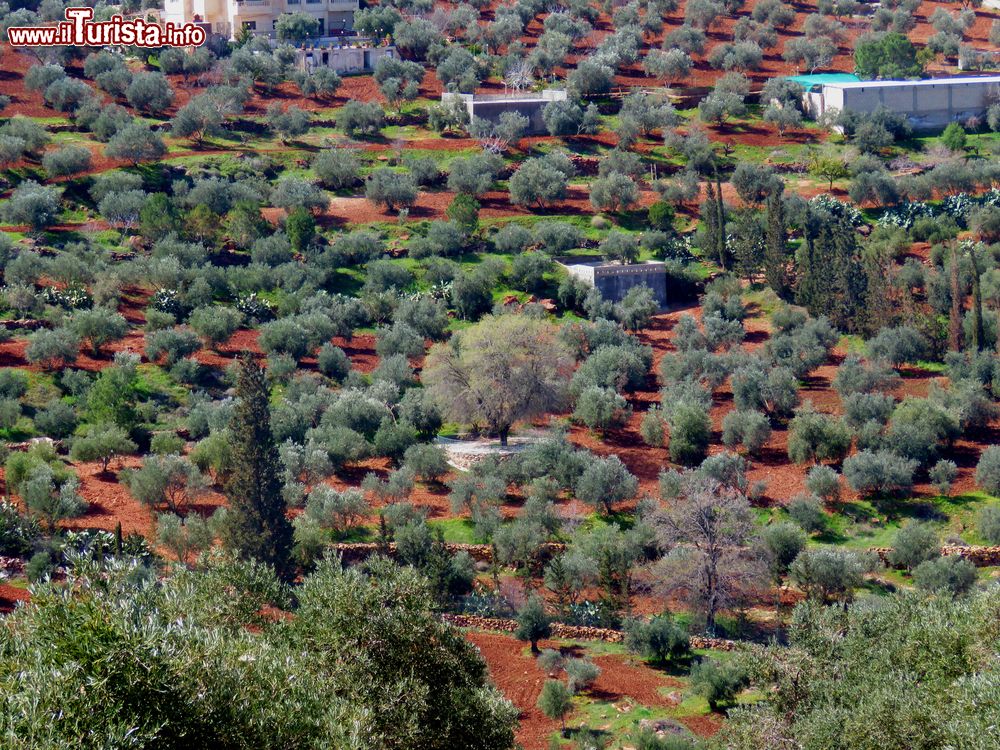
column 352, row 552
column 981, row 557
column 573, row 632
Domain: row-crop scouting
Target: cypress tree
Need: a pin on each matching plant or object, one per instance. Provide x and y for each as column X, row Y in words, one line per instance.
column 832, row 278
column 256, row 526
column 710, row 221
column 749, row 243
column 720, row 209
column 978, row 329
column 775, row 247
column 955, row 315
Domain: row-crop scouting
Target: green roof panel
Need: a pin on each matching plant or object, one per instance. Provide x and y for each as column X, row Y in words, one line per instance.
column 818, row 79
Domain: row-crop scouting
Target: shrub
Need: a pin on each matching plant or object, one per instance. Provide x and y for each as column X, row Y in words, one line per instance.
column 172, row 345
column 338, row 168
column 149, row 92
column 606, row 481
column 56, row 420
column 601, row 408
column 391, row 189
column 862, row 408
column 913, row 544
column 356, row 118
column 32, row 204
column 751, row 429
column 897, row 345
column 555, row 701
column 942, row 474
column 988, row 470
column 18, row 533
column 651, row 428
column 661, row 640
column 542, row 180
column 580, row 674
column 716, row 682
column 813, row 436
column 66, row 161
column 52, row 349
column 49, row 498
column 102, row 442
column 590, row 77
column 135, row 143
column 215, row 323
column 952, row 575
column 615, row 192
column 172, row 482
column 853, row 376
column 824, row 483
column 783, row 542
column 690, row 430
column 954, row 137
column 826, row 574
column 988, row 524
column 427, row 462
column 808, row 513
column 295, row 27
column 98, row 326
column 533, row 623
column 877, row 473
column 333, row 362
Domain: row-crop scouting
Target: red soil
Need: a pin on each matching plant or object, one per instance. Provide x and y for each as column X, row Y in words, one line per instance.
column 520, row 679
column 10, row 596
column 621, row 681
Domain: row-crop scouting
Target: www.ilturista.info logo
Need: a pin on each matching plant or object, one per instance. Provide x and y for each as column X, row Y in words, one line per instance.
column 80, row 30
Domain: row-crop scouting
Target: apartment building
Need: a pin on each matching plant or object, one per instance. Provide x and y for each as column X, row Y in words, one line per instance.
column 227, row 17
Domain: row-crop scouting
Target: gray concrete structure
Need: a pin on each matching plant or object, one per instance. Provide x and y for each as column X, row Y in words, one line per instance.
column 343, row 56
column 530, row 104
column 614, row 280
column 928, row 104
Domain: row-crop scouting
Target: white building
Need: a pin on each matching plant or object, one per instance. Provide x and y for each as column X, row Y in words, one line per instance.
column 227, row 17
column 527, row 103
column 343, row 58
column 614, row 280
column 927, row 104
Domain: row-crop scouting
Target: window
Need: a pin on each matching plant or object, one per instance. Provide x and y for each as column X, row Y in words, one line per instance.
column 250, row 25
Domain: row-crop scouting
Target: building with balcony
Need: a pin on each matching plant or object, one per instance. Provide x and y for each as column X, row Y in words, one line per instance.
column 227, row 17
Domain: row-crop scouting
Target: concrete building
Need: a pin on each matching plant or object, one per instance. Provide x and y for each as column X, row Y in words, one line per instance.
column 227, row 17
column 613, row 280
column 928, row 104
column 529, row 104
column 355, row 58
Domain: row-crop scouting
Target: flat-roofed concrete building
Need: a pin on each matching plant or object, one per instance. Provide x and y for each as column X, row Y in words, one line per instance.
column 343, row 58
column 227, row 17
column 613, row 280
column 927, row 104
column 489, row 107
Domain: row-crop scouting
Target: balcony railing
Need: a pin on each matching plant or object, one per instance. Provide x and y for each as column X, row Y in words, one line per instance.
column 254, row 3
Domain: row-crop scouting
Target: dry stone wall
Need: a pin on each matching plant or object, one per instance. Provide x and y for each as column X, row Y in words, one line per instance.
column 573, row 632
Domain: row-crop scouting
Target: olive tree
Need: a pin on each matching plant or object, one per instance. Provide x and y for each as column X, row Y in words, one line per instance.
column 498, row 371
